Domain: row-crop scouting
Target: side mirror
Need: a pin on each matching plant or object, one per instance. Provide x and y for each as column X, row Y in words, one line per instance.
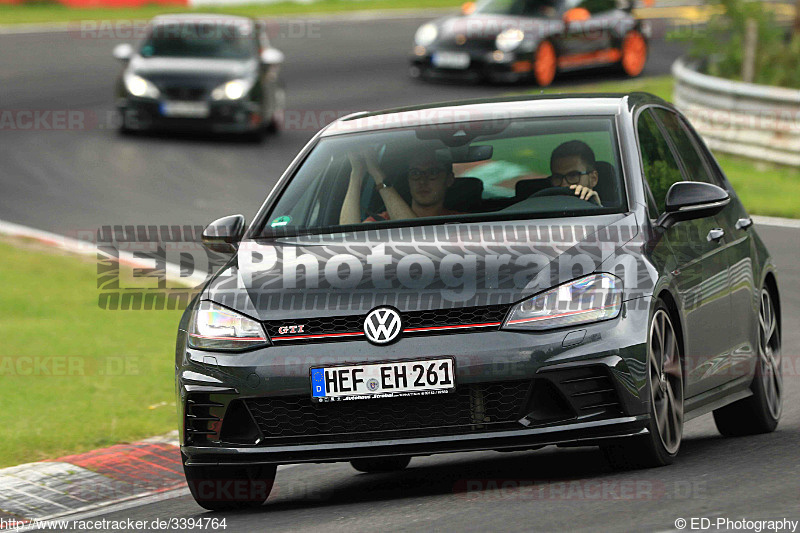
column 123, row 52
column 576, row 14
column 272, row 56
column 224, row 234
column 468, row 8
column 689, row 200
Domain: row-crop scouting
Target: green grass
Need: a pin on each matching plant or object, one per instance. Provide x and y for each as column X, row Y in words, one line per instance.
column 112, row 377
column 41, row 12
column 764, row 188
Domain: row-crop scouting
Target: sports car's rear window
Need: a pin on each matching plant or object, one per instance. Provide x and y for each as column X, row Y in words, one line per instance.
column 481, row 170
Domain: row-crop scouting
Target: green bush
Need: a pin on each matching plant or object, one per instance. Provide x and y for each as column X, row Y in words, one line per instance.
column 720, row 45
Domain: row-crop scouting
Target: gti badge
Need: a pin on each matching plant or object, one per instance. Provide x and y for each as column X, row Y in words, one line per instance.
column 283, row 330
column 382, row 325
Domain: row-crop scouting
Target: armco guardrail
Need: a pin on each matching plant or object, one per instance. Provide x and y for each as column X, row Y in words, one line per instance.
column 755, row 121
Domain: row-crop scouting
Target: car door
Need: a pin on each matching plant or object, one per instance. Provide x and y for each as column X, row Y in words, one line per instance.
column 736, row 223
column 700, row 275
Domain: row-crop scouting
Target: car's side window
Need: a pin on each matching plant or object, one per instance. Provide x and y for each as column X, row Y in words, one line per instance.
column 659, row 165
column 694, row 163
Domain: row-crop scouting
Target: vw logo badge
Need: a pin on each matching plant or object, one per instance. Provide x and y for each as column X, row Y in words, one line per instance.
column 382, row 325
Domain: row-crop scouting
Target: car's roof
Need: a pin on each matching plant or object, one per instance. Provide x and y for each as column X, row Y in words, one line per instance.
column 552, row 105
column 206, row 18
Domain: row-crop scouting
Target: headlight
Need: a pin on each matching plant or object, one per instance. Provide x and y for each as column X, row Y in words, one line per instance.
column 588, row 299
column 214, row 327
column 426, row 34
column 138, row 86
column 509, row 39
column 233, row 90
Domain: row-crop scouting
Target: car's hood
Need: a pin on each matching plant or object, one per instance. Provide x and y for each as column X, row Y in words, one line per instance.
column 161, row 68
column 426, row 267
column 480, row 27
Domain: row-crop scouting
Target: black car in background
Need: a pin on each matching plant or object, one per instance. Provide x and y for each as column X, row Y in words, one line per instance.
column 489, row 275
column 512, row 40
column 201, row 72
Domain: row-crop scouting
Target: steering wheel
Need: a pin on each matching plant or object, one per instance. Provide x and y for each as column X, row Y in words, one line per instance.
column 559, row 191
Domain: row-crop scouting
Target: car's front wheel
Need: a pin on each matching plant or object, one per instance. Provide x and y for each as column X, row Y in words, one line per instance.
column 665, row 383
column 760, row 412
column 227, row 488
column 545, row 64
column 372, row 465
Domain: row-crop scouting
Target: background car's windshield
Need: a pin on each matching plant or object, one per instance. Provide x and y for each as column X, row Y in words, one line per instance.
column 530, row 8
column 483, row 170
column 220, row 41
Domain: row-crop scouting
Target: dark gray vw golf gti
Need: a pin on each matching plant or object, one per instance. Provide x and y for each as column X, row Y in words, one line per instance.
column 486, row 275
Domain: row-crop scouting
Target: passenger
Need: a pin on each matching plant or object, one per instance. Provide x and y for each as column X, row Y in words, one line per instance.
column 428, row 181
column 572, row 165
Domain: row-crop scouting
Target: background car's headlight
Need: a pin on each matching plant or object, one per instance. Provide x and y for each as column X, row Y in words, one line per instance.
column 233, row 90
column 214, row 327
column 426, row 34
column 588, row 299
column 138, row 86
column 509, row 39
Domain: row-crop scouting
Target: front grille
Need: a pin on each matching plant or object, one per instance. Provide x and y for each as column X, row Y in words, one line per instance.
column 184, row 93
column 471, row 408
column 490, row 314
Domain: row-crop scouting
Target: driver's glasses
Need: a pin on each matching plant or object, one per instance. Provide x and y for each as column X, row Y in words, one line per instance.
column 417, row 175
column 571, row 178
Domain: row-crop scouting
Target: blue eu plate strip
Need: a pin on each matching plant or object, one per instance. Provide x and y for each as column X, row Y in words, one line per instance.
column 318, row 382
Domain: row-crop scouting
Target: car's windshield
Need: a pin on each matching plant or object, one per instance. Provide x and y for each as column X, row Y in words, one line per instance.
column 483, row 170
column 523, row 8
column 200, row 40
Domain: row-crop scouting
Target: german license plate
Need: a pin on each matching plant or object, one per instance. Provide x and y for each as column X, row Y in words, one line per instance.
column 459, row 60
column 381, row 380
column 185, row 109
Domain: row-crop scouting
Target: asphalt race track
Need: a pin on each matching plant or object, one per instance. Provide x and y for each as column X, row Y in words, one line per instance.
column 66, row 181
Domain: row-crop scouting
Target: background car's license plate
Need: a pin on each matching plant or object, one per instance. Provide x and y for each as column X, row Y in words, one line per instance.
column 450, row 60
column 399, row 378
column 185, row 109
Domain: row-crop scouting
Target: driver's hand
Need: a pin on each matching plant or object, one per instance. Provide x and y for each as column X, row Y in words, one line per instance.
column 371, row 160
column 586, row 193
column 357, row 163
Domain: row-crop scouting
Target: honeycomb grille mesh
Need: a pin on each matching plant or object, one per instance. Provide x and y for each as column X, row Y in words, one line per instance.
column 471, row 408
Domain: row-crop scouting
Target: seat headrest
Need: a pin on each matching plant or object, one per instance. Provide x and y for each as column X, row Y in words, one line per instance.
column 464, row 194
column 606, row 183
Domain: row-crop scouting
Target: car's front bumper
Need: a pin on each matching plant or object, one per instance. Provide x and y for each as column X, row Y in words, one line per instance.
column 514, row 390
column 483, row 65
column 223, row 117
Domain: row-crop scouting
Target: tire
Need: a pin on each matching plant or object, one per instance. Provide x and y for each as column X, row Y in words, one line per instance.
column 634, row 53
column 760, row 412
column 229, row 488
column 545, row 63
column 665, row 387
column 372, row 465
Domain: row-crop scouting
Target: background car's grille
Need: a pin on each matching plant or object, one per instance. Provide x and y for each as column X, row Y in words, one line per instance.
column 490, row 314
column 471, row 408
column 184, row 93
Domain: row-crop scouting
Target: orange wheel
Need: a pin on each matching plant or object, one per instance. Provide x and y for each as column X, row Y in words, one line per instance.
column 634, row 53
column 544, row 64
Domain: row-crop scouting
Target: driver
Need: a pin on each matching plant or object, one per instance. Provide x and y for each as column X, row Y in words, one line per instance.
column 572, row 165
column 428, row 180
